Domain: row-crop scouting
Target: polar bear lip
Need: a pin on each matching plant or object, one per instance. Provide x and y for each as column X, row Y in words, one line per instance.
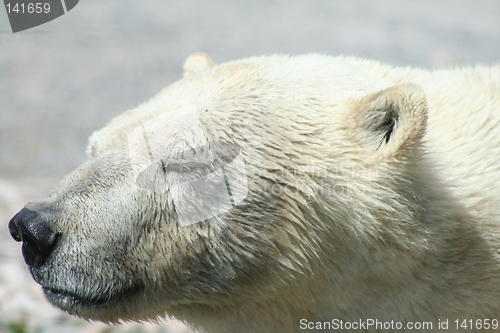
column 68, row 300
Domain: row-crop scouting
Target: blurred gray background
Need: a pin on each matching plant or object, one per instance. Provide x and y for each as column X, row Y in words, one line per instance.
column 64, row 79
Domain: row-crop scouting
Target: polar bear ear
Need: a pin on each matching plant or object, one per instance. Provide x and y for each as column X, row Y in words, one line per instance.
column 197, row 62
column 392, row 120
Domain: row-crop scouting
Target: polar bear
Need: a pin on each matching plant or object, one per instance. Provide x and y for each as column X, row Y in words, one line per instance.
column 285, row 194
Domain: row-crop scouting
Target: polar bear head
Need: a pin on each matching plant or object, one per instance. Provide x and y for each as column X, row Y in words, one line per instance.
column 242, row 184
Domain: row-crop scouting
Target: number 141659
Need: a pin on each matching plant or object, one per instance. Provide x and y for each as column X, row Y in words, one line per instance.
column 480, row 324
column 30, row 8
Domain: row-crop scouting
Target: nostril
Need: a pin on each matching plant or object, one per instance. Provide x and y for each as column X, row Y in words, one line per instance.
column 32, row 245
column 38, row 239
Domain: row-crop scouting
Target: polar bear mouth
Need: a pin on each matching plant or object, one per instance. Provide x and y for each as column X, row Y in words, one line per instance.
column 67, row 300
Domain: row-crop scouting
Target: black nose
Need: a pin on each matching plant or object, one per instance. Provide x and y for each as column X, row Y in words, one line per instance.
column 39, row 241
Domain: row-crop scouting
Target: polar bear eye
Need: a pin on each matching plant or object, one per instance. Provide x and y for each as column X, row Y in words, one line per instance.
column 188, row 165
column 211, row 157
column 182, row 167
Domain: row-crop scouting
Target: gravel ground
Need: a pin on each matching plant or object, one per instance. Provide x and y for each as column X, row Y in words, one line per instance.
column 64, row 79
